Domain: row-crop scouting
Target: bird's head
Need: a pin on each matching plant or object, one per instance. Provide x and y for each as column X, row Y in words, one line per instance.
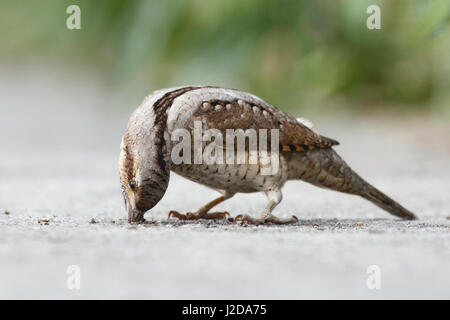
column 144, row 169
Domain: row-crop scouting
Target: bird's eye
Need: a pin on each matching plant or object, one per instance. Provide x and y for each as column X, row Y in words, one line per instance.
column 133, row 184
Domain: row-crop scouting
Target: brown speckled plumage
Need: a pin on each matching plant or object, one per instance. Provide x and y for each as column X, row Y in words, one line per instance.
column 145, row 162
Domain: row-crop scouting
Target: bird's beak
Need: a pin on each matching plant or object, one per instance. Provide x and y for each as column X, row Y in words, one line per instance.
column 134, row 215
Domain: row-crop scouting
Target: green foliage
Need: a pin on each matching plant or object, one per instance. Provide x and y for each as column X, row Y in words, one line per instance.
column 291, row 52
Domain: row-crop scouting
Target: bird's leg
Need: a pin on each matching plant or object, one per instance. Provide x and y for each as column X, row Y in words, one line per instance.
column 274, row 197
column 203, row 212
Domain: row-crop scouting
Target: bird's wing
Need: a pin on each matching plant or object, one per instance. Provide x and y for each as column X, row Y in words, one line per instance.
column 222, row 109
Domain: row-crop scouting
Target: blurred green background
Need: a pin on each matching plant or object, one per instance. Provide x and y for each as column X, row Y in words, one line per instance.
column 294, row 54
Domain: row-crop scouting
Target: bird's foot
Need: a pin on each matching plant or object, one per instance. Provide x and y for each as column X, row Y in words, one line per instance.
column 243, row 218
column 196, row 216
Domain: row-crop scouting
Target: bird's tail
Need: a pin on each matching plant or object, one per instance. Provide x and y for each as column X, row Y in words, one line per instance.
column 325, row 168
column 383, row 201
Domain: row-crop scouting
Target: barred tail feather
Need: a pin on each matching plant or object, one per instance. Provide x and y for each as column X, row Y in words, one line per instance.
column 325, row 168
column 383, row 201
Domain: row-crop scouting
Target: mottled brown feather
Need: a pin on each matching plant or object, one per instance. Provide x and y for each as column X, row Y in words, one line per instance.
column 293, row 135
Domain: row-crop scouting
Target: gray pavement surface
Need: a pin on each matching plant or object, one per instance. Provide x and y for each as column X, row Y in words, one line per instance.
column 60, row 138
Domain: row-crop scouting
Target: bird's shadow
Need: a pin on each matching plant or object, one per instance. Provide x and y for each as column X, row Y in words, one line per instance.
column 376, row 225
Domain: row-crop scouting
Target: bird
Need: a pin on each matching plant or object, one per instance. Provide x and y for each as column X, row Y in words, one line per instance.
column 146, row 158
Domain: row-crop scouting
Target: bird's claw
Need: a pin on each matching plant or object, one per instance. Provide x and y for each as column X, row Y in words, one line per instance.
column 216, row 215
column 195, row 216
column 176, row 214
column 246, row 219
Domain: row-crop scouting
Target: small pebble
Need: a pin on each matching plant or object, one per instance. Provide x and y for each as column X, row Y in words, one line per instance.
column 7, row 212
column 44, row 221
